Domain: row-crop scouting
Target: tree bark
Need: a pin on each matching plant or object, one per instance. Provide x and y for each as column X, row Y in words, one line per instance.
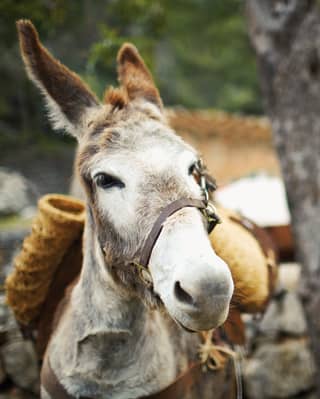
column 286, row 37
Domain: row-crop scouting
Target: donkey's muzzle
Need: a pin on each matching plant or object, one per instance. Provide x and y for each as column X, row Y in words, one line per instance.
column 194, row 283
column 202, row 300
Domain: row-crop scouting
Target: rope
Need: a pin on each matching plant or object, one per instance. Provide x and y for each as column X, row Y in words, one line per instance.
column 211, row 356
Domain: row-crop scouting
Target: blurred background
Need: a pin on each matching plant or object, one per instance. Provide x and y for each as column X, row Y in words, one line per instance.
column 200, row 56
column 209, row 75
column 189, row 46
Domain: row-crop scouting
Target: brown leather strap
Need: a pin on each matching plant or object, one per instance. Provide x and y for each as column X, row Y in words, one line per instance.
column 157, row 227
column 181, row 386
column 176, row 390
column 259, row 233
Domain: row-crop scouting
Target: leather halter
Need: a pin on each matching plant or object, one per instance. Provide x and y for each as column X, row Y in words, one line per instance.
column 169, row 210
column 206, row 208
column 177, row 389
column 207, row 185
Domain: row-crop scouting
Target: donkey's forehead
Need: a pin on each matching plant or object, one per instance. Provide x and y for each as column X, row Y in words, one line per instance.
column 137, row 137
column 152, row 157
column 106, row 116
column 140, row 134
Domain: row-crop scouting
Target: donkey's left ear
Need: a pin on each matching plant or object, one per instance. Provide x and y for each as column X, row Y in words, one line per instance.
column 135, row 76
column 68, row 97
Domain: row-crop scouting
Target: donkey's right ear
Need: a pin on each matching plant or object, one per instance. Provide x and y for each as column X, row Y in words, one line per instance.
column 136, row 77
column 67, row 96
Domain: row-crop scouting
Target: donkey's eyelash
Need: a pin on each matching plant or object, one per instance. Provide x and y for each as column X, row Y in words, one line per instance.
column 106, row 181
column 192, row 168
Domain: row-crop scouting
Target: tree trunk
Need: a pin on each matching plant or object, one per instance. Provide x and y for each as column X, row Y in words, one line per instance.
column 286, row 37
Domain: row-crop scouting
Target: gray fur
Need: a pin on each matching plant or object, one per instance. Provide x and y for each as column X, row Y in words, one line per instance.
column 115, row 339
column 109, row 344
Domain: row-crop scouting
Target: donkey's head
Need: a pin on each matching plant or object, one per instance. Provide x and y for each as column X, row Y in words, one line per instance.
column 132, row 166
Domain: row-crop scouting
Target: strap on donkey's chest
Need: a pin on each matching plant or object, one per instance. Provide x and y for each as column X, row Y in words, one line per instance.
column 211, row 357
column 177, row 389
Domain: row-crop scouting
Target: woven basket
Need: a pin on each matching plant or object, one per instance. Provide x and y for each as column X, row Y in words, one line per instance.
column 58, row 225
column 251, row 256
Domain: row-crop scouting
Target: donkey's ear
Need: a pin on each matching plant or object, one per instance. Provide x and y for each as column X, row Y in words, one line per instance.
column 68, row 98
column 135, row 76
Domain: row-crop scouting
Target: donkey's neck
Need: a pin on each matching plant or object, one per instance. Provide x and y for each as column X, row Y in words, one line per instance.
column 108, row 343
column 109, row 307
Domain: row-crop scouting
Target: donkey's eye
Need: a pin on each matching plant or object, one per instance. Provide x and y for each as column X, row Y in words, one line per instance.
column 105, row 181
column 192, row 168
column 194, row 171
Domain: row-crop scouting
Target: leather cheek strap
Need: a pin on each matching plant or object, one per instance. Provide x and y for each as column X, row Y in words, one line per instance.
column 158, row 225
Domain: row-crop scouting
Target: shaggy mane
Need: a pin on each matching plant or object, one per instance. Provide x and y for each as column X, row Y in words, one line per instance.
column 117, row 97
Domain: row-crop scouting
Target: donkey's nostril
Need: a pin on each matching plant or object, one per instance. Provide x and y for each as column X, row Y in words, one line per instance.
column 181, row 294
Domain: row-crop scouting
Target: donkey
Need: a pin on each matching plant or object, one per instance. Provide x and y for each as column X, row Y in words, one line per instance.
column 125, row 331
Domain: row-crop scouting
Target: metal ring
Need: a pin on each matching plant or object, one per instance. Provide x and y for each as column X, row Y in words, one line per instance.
column 144, row 274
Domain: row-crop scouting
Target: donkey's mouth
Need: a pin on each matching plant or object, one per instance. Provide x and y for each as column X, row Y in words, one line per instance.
column 184, row 327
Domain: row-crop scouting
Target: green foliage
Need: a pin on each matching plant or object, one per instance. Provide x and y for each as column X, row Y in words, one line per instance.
column 137, row 21
column 198, row 51
column 213, row 62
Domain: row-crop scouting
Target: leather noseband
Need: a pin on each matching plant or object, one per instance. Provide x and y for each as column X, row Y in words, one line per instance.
column 206, row 208
column 207, row 185
column 169, row 210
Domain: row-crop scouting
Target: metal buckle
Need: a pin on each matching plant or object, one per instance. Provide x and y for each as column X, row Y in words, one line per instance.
column 207, row 186
column 212, row 217
column 203, row 186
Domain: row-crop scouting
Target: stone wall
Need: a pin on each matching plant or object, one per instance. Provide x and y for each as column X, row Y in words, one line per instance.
column 19, row 371
column 278, row 361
